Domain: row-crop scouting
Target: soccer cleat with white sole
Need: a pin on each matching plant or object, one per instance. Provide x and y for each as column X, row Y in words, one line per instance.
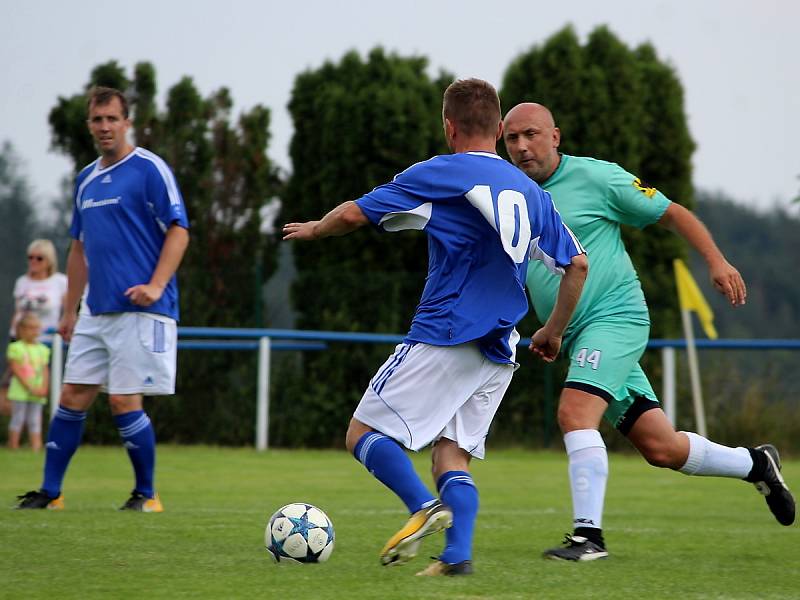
column 404, row 544
column 773, row 488
column 577, row 548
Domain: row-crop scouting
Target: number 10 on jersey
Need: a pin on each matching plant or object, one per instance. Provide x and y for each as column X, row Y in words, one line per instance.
column 509, row 217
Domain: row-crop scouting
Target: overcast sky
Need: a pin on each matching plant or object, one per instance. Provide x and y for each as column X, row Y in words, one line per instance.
column 738, row 61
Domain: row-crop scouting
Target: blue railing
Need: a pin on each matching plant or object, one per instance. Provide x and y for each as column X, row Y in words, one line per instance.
column 266, row 340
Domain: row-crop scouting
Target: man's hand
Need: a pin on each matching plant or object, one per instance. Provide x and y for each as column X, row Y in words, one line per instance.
column 300, row 231
column 66, row 326
column 545, row 344
column 728, row 281
column 144, row 294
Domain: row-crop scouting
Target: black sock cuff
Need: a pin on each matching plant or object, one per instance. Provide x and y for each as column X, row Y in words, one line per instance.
column 759, row 465
column 593, row 534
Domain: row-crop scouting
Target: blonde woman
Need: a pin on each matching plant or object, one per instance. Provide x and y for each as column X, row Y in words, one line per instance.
column 41, row 289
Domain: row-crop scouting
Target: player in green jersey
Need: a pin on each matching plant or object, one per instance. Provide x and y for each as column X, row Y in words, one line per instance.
column 610, row 328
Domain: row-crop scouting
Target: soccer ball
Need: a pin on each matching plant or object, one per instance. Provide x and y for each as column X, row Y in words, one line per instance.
column 299, row 532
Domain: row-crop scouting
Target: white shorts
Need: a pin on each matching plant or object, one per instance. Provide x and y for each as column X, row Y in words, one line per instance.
column 125, row 353
column 423, row 393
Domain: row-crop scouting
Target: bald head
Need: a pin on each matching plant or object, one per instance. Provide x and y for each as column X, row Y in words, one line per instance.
column 532, row 112
column 532, row 140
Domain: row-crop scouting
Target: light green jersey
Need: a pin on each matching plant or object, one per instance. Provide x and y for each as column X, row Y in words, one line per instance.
column 33, row 360
column 594, row 197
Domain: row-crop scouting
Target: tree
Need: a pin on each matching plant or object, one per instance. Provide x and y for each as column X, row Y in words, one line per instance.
column 357, row 124
column 226, row 180
column 764, row 247
column 664, row 162
column 17, row 229
column 625, row 106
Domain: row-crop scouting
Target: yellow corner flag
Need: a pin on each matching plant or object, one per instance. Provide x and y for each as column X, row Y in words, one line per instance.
column 691, row 298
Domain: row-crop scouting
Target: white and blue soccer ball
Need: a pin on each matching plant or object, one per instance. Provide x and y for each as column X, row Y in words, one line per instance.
column 300, row 533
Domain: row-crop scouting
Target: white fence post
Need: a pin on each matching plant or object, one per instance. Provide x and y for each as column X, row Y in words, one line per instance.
column 668, row 382
column 262, row 409
column 56, row 372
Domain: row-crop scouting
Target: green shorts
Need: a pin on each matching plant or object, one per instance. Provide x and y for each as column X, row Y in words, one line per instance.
column 604, row 360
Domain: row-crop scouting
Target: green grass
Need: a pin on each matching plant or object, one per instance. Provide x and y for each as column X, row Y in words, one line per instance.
column 670, row 536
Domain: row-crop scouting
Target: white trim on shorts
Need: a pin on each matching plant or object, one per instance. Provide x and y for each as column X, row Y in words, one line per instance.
column 124, row 353
column 424, row 392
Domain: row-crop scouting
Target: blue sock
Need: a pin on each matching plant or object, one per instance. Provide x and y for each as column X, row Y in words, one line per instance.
column 458, row 491
column 63, row 438
column 139, row 440
column 390, row 465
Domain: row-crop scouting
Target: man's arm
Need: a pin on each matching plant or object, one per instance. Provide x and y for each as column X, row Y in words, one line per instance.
column 341, row 220
column 546, row 342
column 175, row 243
column 723, row 275
column 77, row 275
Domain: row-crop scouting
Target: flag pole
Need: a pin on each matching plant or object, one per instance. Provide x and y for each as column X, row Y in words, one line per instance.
column 694, row 373
column 691, row 299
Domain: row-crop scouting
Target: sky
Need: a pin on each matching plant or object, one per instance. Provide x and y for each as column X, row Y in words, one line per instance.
column 737, row 61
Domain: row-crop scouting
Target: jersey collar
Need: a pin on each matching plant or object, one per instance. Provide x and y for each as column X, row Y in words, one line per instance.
column 488, row 154
column 559, row 168
column 127, row 157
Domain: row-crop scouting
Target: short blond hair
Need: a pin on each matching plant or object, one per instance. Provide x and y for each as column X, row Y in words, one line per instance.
column 48, row 250
column 27, row 318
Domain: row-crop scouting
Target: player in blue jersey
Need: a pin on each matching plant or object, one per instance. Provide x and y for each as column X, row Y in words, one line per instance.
column 130, row 231
column 443, row 384
column 610, row 327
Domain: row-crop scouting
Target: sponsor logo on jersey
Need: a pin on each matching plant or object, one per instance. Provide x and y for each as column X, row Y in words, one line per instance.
column 106, row 179
column 643, row 187
column 92, row 203
column 148, row 380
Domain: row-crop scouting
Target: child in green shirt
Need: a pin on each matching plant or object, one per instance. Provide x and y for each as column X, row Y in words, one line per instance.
column 28, row 360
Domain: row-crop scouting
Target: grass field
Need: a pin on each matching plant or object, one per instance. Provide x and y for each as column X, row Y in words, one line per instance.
column 670, row 536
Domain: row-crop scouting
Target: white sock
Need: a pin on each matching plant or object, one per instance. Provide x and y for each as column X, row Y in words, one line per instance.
column 709, row 458
column 588, row 473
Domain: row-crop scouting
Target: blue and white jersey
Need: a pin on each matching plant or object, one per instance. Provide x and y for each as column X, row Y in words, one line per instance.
column 121, row 215
column 484, row 219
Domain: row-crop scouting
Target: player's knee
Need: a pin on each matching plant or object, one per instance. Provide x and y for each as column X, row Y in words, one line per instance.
column 447, row 456
column 571, row 418
column 659, row 454
column 350, row 441
column 124, row 403
column 355, row 431
column 77, row 397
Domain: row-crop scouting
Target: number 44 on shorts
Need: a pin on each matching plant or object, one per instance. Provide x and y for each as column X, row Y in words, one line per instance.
column 584, row 357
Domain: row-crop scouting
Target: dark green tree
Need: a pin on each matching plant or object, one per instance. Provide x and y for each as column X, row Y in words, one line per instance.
column 666, row 148
column 17, row 228
column 622, row 105
column 226, row 180
column 626, row 106
column 764, row 247
column 357, row 123
column 552, row 75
